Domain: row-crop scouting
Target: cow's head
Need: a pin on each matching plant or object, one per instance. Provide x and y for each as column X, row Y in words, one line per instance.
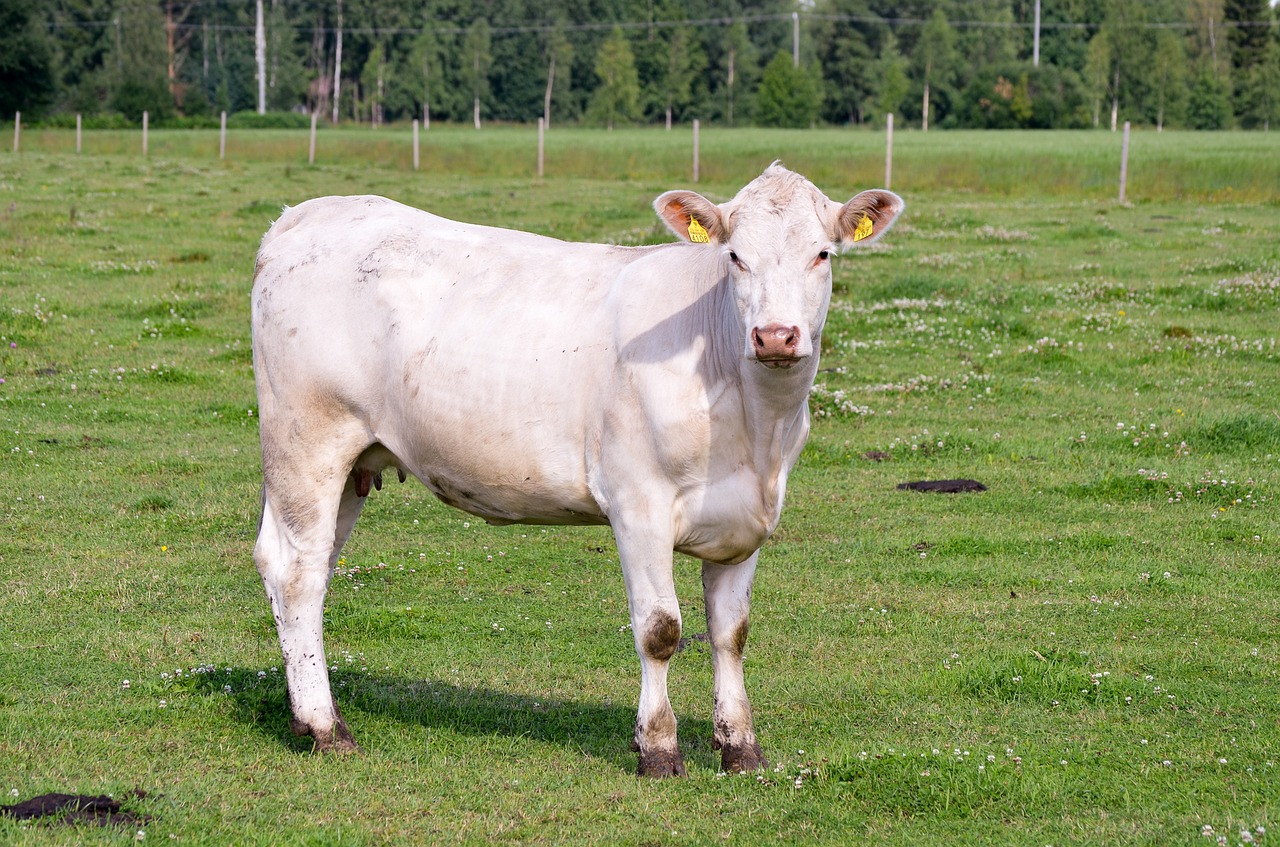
column 777, row 237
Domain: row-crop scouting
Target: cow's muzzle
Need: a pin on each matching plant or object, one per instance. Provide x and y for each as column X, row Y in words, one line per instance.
column 776, row 346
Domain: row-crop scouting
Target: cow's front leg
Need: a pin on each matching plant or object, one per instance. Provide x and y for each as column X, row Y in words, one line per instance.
column 727, row 591
column 655, row 623
column 295, row 569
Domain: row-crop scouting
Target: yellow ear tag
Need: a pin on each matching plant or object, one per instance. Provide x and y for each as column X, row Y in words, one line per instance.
column 697, row 234
column 864, row 228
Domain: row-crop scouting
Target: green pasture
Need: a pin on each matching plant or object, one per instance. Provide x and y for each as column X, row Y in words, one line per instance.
column 1085, row 653
column 1223, row 167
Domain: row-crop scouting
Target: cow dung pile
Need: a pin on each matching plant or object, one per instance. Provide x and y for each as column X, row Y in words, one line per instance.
column 79, row 808
column 944, row 486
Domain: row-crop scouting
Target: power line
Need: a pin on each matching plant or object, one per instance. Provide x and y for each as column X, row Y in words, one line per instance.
column 523, row 29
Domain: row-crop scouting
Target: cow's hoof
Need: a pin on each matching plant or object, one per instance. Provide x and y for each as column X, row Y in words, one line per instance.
column 742, row 758
column 661, row 764
column 337, row 740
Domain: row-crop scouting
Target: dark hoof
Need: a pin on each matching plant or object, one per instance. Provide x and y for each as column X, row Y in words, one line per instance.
column 742, row 758
column 660, row 765
column 337, row 740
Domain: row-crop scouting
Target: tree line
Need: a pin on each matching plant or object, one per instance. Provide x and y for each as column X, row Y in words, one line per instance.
column 1205, row 64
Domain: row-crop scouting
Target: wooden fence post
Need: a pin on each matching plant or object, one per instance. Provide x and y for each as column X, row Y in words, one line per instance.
column 222, row 137
column 17, row 129
column 311, row 149
column 1124, row 161
column 77, row 132
column 888, row 151
column 415, row 144
column 542, row 132
column 145, row 117
column 696, row 126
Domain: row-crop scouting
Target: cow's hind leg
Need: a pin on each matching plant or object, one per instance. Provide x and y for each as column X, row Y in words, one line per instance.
column 727, row 591
column 349, row 508
column 298, row 541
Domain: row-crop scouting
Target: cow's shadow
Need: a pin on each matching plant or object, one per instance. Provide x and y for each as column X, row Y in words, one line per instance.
column 599, row 730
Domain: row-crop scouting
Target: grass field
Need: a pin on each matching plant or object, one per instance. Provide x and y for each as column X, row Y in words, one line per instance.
column 1085, row 653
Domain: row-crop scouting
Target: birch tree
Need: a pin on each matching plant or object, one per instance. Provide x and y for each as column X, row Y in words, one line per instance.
column 935, row 59
column 478, row 50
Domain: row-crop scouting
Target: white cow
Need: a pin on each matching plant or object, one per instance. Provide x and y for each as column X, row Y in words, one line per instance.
column 660, row 390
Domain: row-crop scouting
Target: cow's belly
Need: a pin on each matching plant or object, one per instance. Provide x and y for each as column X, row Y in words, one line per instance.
column 503, row 468
column 526, row 495
column 512, row 504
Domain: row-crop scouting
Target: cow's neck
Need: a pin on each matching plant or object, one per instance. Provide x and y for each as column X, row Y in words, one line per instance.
column 775, row 405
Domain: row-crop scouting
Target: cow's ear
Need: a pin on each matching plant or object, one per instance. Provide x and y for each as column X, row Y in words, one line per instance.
column 692, row 217
column 867, row 217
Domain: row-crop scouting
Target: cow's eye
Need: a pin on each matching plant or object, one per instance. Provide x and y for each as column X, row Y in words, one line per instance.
column 824, row 255
column 733, row 257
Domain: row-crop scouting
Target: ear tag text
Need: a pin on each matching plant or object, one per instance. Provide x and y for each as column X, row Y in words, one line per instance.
column 697, row 234
column 863, row 229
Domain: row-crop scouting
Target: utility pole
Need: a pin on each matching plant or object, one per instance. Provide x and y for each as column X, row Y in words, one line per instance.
column 337, row 65
column 795, row 39
column 168, row 32
column 260, row 55
column 1035, row 50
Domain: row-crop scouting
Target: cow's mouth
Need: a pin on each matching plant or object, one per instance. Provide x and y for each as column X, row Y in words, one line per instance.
column 783, row 362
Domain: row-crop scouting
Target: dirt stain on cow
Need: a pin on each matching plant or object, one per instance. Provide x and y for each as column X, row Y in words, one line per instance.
column 738, row 642
column 661, row 636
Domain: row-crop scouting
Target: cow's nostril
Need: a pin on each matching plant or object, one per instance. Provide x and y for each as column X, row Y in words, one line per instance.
column 775, row 341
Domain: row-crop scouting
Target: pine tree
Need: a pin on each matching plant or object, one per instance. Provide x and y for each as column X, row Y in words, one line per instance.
column 286, row 72
column 1249, row 37
column 27, row 82
column 373, row 81
column 137, row 68
column 890, row 85
column 422, row 75
column 683, row 63
column 1209, row 106
column 617, row 98
column 1263, row 87
column 1129, row 50
column 789, row 96
column 1247, row 31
